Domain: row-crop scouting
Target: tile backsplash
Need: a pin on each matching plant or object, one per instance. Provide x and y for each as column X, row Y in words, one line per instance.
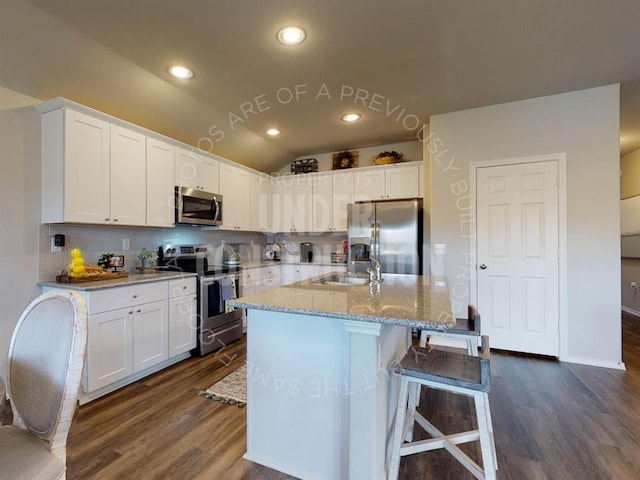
column 96, row 240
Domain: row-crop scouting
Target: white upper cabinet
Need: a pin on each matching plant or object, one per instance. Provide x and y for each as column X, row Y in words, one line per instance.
column 292, row 203
column 387, row 183
column 160, row 183
column 369, row 185
column 260, row 202
column 92, row 171
column 402, row 181
column 235, row 187
column 342, row 196
column 128, row 190
column 195, row 170
column 322, row 203
column 75, row 168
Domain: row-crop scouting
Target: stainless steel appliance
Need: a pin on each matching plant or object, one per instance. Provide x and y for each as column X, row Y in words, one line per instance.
column 390, row 231
column 306, row 252
column 272, row 252
column 195, row 207
column 217, row 325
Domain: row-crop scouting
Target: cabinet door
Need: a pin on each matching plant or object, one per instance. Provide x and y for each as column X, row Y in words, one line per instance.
column 150, row 335
column 186, row 168
column 86, row 168
column 234, row 187
column 322, row 203
column 402, row 182
column 183, row 324
column 128, row 177
column 160, row 177
column 283, row 204
column 260, row 202
column 302, row 197
column 342, row 196
column 369, row 185
column 422, row 181
column 109, row 348
column 208, row 174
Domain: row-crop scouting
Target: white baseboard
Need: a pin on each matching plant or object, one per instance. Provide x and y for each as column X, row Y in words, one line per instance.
column 279, row 467
column 592, row 362
column 631, row 311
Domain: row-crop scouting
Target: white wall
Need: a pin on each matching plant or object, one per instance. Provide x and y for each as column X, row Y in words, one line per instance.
column 584, row 125
column 20, row 210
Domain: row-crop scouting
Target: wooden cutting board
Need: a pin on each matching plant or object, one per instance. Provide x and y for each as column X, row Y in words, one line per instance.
column 91, row 278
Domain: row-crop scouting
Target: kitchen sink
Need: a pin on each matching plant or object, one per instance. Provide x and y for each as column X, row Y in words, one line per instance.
column 342, row 279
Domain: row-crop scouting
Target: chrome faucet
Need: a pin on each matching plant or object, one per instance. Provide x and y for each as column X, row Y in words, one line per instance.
column 375, row 276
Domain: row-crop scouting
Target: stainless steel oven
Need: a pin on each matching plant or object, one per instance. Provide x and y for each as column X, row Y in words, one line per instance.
column 218, row 326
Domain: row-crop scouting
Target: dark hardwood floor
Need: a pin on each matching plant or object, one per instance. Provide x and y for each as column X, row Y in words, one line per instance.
column 552, row 420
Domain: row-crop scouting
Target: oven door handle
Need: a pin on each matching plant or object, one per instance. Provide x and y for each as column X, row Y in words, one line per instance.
column 211, row 334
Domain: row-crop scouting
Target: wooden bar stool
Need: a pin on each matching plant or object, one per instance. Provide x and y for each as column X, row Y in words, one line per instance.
column 467, row 329
column 454, row 371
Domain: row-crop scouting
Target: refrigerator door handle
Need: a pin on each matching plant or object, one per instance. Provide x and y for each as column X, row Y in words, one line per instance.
column 375, row 239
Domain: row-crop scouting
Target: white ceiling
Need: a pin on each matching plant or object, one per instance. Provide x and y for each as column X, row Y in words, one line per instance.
column 397, row 63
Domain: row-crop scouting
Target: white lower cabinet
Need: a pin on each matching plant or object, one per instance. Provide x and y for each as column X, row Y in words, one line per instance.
column 136, row 330
column 259, row 279
column 183, row 315
column 109, row 348
column 125, row 341
column 150, row 335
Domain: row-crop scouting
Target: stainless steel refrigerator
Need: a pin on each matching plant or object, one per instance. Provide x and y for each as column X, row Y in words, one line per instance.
column 390, row 231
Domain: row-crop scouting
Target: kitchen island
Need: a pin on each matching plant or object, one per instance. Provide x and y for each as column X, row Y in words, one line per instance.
column 320, row 392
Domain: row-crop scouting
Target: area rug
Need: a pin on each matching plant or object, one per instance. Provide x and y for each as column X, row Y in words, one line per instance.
column 231, row 389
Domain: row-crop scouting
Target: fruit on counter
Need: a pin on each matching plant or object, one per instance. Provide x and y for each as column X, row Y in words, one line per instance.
column 76, row 267
column 95, row 270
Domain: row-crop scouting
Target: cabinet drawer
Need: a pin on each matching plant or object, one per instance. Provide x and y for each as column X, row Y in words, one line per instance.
column 182, row 286
column 122, row 297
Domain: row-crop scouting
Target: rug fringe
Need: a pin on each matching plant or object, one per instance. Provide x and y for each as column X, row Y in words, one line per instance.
column 230, row 401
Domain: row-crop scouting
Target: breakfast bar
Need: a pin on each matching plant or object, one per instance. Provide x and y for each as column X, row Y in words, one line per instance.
column 320, row 392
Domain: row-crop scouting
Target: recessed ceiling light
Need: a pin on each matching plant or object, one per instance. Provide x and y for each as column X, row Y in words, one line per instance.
column 351, row 117
column 273, row 132
column 180, row 72
column 291, row 35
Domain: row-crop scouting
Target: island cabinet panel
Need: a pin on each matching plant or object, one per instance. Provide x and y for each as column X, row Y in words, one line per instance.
column 330, row 385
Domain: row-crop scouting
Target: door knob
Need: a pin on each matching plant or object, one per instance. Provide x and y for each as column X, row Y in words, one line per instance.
column 483, row 267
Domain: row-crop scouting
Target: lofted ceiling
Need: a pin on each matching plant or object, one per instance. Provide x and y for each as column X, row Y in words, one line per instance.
column 396, row 63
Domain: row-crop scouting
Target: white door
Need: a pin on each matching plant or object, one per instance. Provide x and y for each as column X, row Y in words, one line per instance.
column 517, row 256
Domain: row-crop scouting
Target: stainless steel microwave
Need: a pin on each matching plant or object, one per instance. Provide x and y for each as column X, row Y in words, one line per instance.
column 195, row 207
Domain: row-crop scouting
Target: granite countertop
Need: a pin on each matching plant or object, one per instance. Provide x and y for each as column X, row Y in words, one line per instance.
column 132, row 279
column 271, row 263
column 407, row 300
